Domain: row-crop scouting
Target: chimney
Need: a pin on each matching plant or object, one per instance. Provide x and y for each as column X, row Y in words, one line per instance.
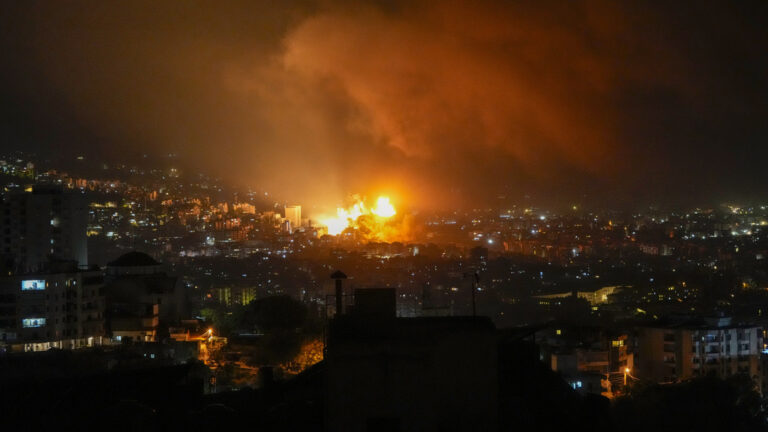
column 338, row 276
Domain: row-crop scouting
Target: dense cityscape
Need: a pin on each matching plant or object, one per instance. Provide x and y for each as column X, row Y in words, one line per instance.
column 172, row 266
column 376, row 216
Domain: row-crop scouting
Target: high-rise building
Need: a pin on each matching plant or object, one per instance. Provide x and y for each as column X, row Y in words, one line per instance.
column 42, row 226
column 293, row 214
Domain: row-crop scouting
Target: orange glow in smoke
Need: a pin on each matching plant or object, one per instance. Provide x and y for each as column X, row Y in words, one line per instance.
column 346, row 217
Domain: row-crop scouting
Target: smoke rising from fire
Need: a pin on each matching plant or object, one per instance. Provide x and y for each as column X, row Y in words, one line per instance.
column 456, row 99
column 439, row 104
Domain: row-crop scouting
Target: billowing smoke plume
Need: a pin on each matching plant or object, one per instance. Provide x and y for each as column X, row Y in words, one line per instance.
column 436, row 104
column 448, row 99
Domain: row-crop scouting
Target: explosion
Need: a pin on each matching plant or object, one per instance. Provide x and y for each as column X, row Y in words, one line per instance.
column 357, row 213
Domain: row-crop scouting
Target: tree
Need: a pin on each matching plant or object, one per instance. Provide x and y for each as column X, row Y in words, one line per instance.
column 277, row 313
column 707, row 403
column 224, row 322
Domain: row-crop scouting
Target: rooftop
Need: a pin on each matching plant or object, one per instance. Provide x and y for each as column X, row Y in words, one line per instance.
column 134, row 259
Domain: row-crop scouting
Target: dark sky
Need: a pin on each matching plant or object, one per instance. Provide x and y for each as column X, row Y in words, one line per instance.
column 440, row 104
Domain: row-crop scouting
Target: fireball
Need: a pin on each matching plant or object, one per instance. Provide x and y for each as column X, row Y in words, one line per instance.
column 383, row 208
column 347, row 217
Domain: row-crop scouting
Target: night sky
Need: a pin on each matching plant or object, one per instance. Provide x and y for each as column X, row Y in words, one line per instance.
column 439, row 104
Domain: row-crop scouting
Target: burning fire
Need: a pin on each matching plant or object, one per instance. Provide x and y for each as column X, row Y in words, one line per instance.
column 384, row 208
column 347, row 217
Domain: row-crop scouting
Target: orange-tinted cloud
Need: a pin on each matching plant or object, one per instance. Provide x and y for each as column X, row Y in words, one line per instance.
column 476, row 75
column 438, row 104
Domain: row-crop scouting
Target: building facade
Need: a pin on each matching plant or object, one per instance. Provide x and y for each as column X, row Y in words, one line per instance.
column 143, row 300
column 293, row 214
column 62, row 310
column 678, row 352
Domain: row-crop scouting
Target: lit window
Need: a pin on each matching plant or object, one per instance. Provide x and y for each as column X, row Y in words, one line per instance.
column 32, row 285
column 32, row 322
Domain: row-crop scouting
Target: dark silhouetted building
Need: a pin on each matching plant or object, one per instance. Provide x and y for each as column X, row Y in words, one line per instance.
column 41, row 226
column 426, row 374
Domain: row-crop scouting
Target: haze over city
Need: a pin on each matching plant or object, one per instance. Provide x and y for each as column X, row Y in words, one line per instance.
column 442, row 104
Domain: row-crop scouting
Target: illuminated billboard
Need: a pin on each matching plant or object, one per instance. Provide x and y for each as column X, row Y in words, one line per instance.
column 32, row 285
column 32, row 322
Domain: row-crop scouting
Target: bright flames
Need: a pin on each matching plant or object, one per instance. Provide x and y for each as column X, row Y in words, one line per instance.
column 384, row 208
column 346, row 217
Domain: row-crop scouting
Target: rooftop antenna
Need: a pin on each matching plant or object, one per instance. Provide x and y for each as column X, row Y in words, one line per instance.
column 475, row 282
